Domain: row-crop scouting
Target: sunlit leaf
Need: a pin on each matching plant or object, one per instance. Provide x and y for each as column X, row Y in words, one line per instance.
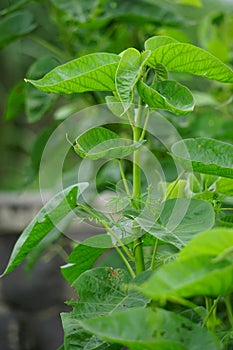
column 55, row 214
column 187, row 58
column 204, row 155
column 156, row 41
column 88, row 73
column 102, row 143
column 168, row 95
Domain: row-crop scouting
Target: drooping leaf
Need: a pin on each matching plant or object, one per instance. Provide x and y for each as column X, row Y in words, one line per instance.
column 15, row 25
column 15, row 101
column 188, row 58
column 147, row 329
column 179, row 221
column 204, row 155
column 168, row 95
column 57, row 213
column 102, row 143
column 88, row 73
column 128, row 72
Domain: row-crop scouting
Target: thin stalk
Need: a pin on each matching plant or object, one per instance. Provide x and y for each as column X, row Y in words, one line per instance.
column 50, row 47
column 137, row 249
column 227, row 302
column 118, row 240
column 145, row 126
column 131, row 271
column 173, row 186
column 124, row 178
column 188, row 304
column 211, row 307
column 152, row 265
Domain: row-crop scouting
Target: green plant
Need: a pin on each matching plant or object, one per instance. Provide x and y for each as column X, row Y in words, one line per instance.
column 178, row 262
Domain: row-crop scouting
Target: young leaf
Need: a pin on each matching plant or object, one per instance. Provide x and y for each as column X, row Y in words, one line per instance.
column 147, row 329
column 55, row 214
column 157, row 41
column 88, row 73
column 102, row 143
column 204, row 155
column 180, row 220
column 168, row 95
column 187, row 58
column 127, row 74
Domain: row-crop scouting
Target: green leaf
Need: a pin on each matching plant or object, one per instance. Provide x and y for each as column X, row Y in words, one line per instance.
column 168, row 95
column 116, row 107
column 88, row 73
column 179, row 221
column 15, row 6
column 81, row 259
column 204, row 267
column 57, row 213
column 15, row 25
column 156, row 41
column 101, row 291
column 100, row 142
column 225, row 186
column 215, row 243
column 204, row 155
column 225, row 221
column 182, row 57
column 149, row 329
column 38, row 102
column 15, row 101
column 128, row 72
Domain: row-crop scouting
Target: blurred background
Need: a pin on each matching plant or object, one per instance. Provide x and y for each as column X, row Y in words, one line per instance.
column 36, row 36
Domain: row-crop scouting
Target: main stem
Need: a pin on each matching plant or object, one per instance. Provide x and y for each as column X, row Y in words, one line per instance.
column 138, row 251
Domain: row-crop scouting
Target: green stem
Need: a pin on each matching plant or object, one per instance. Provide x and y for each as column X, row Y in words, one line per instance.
column 131, row 271
column 137, row 249
column 188, row 304
column 211, row 308
column 124, row 178
column 152, row 266
column 227, row 302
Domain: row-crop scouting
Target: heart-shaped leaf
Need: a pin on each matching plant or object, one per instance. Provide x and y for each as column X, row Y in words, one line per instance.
column 100, row 142
column 88, row 73
column 168, row 95
column 204, row 155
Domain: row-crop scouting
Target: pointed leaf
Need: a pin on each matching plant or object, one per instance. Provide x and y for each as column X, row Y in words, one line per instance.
column 168, row 95
column 180, row 220
column 204, row 155
column 56, row 213
column 88, row 73
column 149, row 329
column 127, row 74
column 187, row 58
column 102, row 143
